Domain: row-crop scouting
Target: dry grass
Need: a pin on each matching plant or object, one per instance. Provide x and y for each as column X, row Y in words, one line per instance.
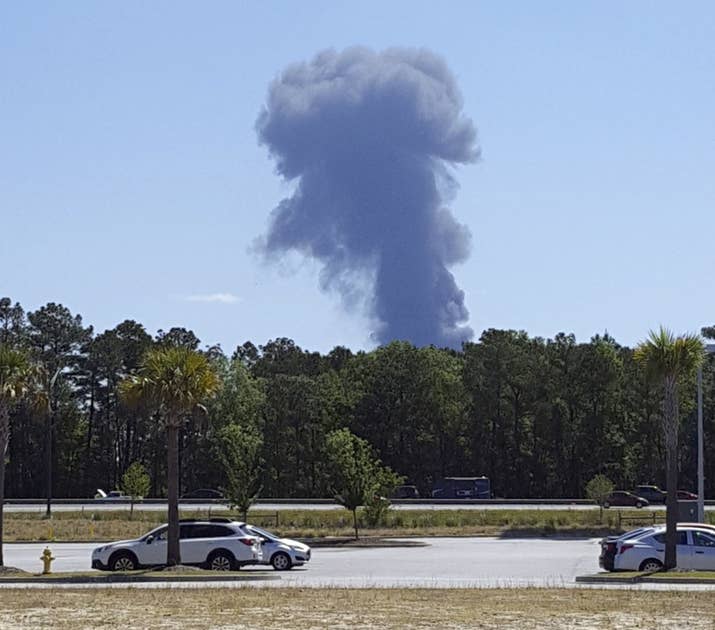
column 115, row 524
column 508, row 609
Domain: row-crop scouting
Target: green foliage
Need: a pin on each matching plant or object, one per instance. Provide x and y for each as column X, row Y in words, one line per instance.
column 599, row 488
column 174, row 380
column 540, row 417
column 135, row 482
column 15, row 374
column 663, row 354
column 357, row 476
column 238, row 449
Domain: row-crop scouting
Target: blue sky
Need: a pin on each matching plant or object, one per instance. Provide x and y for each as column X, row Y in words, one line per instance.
column 132, row 184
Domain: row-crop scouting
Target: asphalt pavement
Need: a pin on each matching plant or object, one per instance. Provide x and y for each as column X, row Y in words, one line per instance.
column 443, row 562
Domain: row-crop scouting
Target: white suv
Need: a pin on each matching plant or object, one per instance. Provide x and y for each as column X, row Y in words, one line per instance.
column 219, row 544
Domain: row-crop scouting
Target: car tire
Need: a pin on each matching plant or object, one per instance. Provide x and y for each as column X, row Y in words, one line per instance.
column 221, row 561
column 651, row 565
column 123, row 561
column 639, row 504
column 281, row 561
column 606, row 504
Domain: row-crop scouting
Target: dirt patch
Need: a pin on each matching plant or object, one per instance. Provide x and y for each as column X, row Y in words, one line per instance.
column 278, row 608
column 179, row 568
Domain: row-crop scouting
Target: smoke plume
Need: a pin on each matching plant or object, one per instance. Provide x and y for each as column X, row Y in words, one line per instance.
column 369, row 138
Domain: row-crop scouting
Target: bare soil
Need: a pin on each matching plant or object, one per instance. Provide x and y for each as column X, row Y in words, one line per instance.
column 278, row 608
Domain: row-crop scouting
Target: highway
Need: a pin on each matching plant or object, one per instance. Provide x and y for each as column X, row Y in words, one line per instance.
column 275, row 507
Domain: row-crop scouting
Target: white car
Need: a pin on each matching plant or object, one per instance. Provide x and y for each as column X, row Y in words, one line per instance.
column 219, row 544
column 114, row 495
column 281, row 553
column 695, row 550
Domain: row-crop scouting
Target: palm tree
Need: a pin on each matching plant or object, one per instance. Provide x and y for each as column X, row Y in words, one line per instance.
column 15, row 377
column 668, row 359
column 173, row 381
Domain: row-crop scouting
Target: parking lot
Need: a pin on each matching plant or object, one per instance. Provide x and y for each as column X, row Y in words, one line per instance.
column 442, row 562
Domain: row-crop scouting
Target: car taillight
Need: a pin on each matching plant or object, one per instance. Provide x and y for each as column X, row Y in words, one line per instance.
column 249, row 542
column 611, row 547
column 625, row 548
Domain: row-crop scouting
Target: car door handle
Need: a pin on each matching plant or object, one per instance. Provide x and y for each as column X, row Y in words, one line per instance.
column 699, row 552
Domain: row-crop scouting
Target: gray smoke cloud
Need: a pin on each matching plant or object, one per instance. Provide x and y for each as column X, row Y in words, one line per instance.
column 370, row 138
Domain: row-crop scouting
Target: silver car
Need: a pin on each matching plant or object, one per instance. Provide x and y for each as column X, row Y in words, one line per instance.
column 281, row 553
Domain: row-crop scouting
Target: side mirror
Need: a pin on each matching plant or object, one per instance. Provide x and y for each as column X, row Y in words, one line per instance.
column 149, row 540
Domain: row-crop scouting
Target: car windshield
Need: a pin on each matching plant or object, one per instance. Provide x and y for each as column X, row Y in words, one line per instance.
column 252, row 529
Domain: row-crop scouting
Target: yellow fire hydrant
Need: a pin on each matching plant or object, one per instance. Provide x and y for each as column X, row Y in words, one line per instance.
column 47, row 559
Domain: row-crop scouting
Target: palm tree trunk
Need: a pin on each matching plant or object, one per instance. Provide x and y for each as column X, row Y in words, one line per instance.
column 670, row 427
column 4, row 439
column 173, row 552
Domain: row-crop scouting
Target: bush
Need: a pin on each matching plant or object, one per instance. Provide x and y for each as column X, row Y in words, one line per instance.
column 376, row 510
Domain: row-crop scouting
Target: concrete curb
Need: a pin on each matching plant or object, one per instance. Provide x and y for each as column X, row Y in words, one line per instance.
column 133, row 579
column 642, row 579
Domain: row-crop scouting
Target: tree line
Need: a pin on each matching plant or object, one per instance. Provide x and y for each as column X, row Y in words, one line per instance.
column 539, row 417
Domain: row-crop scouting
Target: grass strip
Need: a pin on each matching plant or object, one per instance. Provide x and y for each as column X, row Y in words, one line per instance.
column 277, row 608
column 93, row 577
column 636, row 577
column 103, row 525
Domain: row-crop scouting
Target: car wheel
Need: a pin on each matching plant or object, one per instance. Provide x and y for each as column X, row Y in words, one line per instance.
column 606, row 504
column 651, row 565
column 639, row 504
column 123, row 561
column 220, row 561
column 281, row 561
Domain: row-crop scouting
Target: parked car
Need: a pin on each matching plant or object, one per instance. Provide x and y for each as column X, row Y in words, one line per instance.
column 114, row 495
column 608, row 546
column 203, row 493
column 281, row 553
column 695, row 550
column 653, row 494
column 621, row 498
column 405, row 492
column 684, row 495
column 219, row 544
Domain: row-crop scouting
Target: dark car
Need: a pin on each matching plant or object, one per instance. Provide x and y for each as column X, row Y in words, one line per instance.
column 405, row 492
column 203, row 493
column 684, row 495
column 653, row 494
column 621, row 498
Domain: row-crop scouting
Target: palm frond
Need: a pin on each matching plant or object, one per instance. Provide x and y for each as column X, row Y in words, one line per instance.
column 663, row 354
